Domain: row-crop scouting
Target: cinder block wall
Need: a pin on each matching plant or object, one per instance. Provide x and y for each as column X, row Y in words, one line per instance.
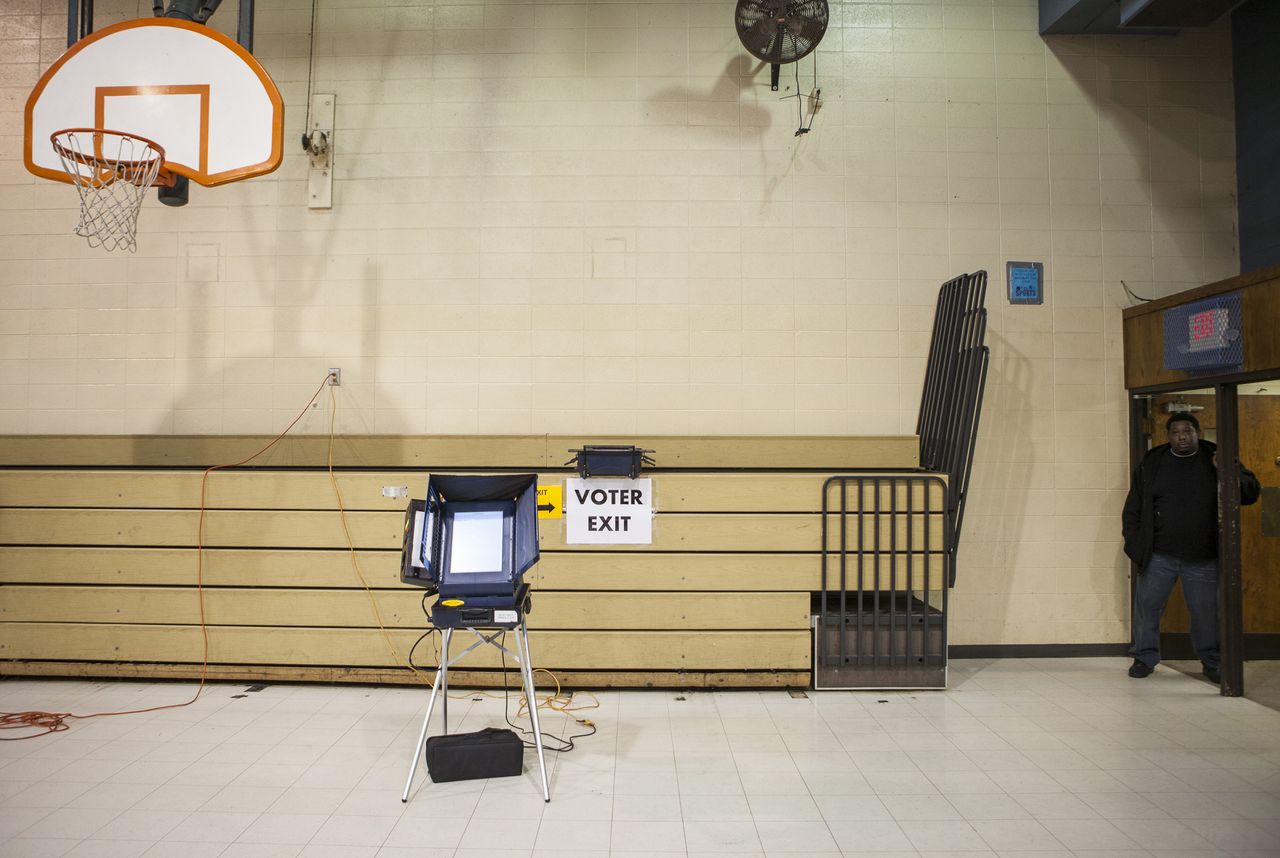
column 595, row 218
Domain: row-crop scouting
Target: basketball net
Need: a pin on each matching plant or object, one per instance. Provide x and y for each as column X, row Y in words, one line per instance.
column 112, row 171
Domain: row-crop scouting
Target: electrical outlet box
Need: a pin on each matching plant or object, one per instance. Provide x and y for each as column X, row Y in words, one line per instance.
column 335, row 376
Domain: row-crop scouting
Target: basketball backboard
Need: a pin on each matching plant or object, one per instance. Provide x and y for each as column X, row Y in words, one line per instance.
column 201, row 96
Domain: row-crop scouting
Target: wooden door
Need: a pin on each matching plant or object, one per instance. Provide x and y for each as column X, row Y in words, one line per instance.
column 1259, row 553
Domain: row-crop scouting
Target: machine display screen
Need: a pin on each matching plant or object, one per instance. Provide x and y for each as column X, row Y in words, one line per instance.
column 476, row 542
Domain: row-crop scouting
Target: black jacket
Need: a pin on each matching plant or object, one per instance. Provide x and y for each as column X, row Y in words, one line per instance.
column 1139, row 507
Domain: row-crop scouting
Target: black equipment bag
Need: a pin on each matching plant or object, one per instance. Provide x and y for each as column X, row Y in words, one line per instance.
column 489, row 753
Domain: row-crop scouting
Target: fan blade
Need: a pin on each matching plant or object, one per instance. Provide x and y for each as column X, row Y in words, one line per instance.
column 803, row 35
column 759, row 37
column 749, row 13
column 809, row 30
column 814, row 10
column 800, row 49
column 777, row 53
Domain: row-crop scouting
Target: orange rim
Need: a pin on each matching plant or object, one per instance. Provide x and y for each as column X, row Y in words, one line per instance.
column 163, row 177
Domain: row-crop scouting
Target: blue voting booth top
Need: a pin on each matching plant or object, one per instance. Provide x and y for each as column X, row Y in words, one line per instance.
column 477, row 536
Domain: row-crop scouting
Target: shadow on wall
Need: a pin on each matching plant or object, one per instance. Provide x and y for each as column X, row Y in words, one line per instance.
column 1002, row 478
column 271, row 314
column 730, row 110
column 1166, row 143
column 248, row 364
column 723, row 111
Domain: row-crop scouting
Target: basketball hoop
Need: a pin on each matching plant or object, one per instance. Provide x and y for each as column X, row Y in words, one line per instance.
column 113, row 171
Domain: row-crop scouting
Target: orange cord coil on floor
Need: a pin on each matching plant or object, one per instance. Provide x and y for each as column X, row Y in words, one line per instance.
column 56, row 722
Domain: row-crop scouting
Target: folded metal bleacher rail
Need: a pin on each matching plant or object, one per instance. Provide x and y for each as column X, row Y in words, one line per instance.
column 951, row 400
column 889, row 540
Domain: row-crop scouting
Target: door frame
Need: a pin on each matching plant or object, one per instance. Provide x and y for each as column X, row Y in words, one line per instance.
column 1230, row 571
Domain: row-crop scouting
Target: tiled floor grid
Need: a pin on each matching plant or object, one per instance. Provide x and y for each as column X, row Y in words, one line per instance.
column 1044, row 758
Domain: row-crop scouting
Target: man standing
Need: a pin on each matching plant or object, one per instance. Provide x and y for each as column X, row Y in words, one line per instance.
column 1171, row 532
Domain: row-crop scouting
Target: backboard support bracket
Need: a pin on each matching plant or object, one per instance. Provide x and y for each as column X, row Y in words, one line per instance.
column 319, row 145
column 79, row 20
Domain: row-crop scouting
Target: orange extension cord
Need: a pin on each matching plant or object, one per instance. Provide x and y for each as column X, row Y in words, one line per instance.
column 56, row 722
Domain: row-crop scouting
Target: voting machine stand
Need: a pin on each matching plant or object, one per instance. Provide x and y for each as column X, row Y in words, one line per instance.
column 505, row 614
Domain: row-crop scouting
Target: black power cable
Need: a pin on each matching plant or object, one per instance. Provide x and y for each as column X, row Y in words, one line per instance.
column 566, row 745
column 1131, row 294
column 817, row 98
column 430, row 631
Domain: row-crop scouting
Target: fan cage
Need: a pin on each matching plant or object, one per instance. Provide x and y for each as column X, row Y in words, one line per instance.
column 777, row 31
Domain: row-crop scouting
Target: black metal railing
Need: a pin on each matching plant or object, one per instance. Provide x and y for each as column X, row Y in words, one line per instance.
column 951, row 401
column 889, row 540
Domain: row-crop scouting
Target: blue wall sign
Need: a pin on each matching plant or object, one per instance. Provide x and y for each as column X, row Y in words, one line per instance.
column 1026, row 282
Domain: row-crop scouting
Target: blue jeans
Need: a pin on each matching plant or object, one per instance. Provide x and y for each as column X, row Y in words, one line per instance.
column 1199, row 587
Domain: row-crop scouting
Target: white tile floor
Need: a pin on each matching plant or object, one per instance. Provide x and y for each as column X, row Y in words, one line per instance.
column 1037, row 758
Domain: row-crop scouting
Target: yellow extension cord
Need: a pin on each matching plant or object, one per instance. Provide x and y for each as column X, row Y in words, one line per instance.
column 556, row 701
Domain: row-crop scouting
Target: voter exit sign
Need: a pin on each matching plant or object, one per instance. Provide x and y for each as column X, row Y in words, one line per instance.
column 608, row 512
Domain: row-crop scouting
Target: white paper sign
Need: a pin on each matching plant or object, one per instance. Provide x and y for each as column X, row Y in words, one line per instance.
column 608, row 512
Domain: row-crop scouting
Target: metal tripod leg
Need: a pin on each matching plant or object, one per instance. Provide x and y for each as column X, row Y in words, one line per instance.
column 526, row 672
column 442, row 674
column 521, row 655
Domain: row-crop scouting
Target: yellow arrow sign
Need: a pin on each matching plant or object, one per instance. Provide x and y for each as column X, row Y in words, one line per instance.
column 550, row 501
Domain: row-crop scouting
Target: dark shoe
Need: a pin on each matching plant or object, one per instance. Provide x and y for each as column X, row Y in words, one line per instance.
column 1213, row 674
column 1140, row 669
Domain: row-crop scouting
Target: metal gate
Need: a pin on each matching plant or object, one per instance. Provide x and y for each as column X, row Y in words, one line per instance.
column 880, row 620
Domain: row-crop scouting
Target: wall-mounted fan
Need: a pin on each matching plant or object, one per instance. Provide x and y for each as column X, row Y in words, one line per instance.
column 781, row 31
